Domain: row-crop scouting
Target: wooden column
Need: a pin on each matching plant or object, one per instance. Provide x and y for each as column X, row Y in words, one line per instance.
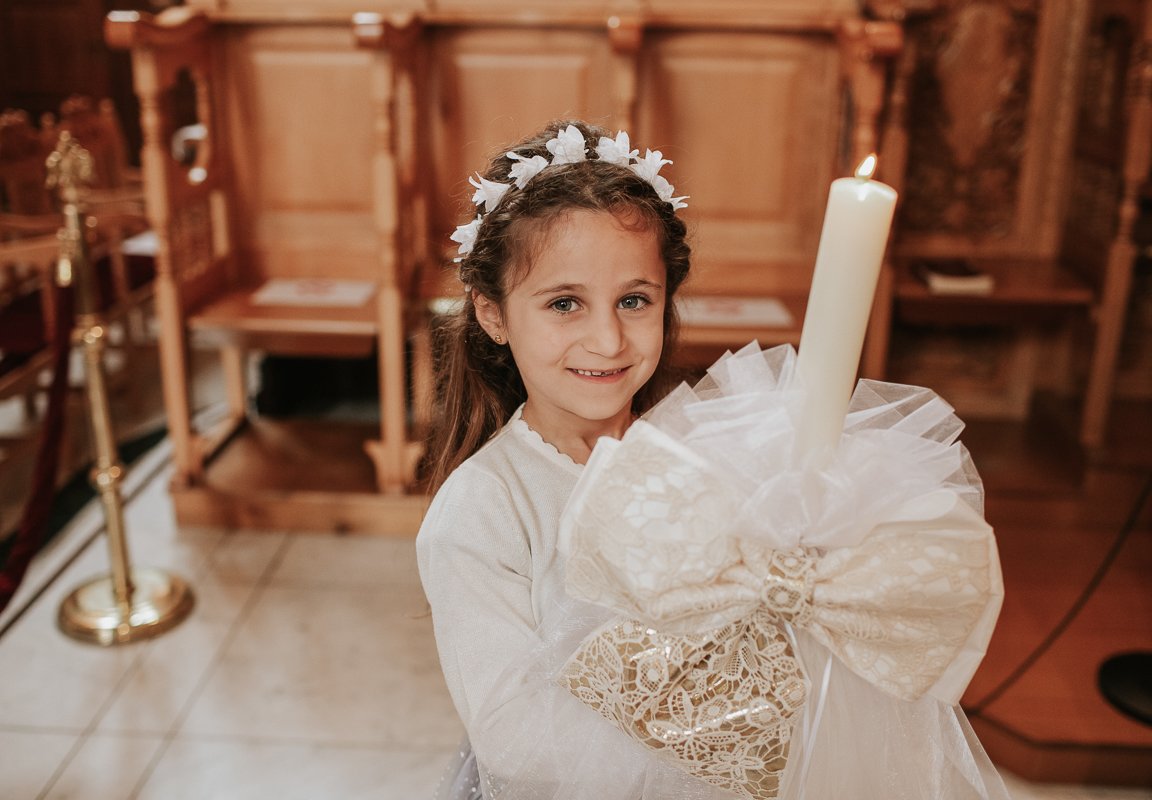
column 867, row 47
column 626, row 35
column 159, row 47
column 394, row 40
column 1111, row 310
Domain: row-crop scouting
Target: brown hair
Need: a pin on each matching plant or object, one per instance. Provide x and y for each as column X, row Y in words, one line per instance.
column 478, row 383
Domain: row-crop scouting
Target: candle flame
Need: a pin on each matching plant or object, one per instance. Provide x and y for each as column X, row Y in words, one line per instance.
column 867, row 167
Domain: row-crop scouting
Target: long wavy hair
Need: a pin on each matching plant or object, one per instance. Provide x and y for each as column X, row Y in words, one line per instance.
column 478, row 383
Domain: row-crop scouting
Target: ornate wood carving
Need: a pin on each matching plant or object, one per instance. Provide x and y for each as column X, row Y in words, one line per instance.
column 970, row 91
column 191, row 237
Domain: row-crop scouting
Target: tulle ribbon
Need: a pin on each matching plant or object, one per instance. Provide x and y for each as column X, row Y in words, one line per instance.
column 698, row 530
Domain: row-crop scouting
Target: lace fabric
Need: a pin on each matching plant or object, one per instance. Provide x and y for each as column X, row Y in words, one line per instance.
column 697, row 532
column 720, row 705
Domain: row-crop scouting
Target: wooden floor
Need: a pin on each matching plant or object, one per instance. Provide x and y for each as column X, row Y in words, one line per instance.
column 1057, row 514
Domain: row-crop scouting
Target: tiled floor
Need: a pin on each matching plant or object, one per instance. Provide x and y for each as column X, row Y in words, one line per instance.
column 307, row 670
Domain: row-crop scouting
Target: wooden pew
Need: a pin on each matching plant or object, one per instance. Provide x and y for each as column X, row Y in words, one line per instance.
column 29, row 247
column 283, row 195
column 759, row 110
column 338, row 151
column 26, row 316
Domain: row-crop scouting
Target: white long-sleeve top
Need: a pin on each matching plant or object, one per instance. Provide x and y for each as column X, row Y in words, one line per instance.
column 487, row 552
column 486, row 547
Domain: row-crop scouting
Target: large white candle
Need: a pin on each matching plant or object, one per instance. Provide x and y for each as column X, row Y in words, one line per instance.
column 852, row 243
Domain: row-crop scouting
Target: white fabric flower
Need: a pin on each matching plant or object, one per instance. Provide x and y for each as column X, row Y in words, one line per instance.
column 616, row 151
column 649, row 166
column 488, row 192
column 465, row 235
column 568, row 147
column 665, row 190
column 525, row 169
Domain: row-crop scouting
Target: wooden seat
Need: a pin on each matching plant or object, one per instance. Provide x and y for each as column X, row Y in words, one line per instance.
column 95, row 125
column 277, row 236
column 26, row 325
column 26, row 207
column 29, row 249
column 334, row 162
column 739, row 296
column 757, row 173
column 113, row 203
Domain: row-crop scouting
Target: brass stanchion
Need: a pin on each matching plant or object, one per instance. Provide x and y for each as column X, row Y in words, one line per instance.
column 127, row 605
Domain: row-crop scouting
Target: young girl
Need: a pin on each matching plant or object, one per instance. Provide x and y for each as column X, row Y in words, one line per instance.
column 751, row 689
column 564, row 336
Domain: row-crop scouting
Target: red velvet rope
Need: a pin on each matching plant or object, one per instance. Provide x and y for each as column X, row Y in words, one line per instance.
column 30, row 534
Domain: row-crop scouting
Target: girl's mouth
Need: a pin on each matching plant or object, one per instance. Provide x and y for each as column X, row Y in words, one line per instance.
column 598, row 373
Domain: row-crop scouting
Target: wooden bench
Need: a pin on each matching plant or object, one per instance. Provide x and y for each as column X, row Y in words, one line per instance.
column 337, row 148
column 29, row 247
column 290, row 182
column 760, row 111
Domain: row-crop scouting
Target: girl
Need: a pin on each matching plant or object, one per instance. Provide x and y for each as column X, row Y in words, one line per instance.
column 660, row 618
column 570, row 268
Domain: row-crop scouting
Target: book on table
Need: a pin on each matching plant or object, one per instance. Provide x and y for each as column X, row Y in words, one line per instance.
column 953, row 276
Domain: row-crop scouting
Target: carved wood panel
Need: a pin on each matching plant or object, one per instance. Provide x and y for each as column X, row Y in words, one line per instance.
column 494, row 86
column 1108, row 230
column 991, row 111
column 300, row 131
column 1098, row 154
column 751, row 124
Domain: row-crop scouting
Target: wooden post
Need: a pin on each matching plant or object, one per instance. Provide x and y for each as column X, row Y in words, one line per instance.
column 866, row 48
column 1111, row 310
column 625, row 34
column 394, row 40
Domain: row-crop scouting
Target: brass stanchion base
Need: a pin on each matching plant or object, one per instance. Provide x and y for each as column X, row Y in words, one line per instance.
column 159, row 602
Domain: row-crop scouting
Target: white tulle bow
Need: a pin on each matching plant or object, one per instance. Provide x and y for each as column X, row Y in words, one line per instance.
column 695, row 519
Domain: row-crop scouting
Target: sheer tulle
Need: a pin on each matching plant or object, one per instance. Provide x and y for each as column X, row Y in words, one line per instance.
column 461, row 778
column 716, row 596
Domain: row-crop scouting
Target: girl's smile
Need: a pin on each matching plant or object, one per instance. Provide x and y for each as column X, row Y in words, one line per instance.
column 599, row 374
column 586, row 327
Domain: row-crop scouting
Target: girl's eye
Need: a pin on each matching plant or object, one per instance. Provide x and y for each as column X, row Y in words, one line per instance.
column 634, row 301
column 563, row 305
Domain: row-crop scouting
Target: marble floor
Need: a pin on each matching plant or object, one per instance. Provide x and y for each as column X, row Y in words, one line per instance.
column 307, row 670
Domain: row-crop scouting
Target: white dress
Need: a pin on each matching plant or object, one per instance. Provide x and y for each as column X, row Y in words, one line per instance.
column 488, row 562
column 688, row 618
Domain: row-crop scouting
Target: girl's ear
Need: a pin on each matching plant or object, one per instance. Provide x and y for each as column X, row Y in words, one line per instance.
column 489, row 316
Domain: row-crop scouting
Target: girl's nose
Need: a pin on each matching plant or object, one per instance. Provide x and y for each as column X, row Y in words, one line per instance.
column 605, row 335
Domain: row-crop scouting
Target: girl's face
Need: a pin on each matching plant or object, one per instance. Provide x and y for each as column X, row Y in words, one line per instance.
column 585, row 324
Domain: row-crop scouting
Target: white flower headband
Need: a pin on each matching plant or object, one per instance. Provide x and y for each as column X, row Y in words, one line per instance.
column 567, row 148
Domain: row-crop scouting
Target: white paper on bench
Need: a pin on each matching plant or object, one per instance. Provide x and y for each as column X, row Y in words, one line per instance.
column 734, row 312
column 313, row 292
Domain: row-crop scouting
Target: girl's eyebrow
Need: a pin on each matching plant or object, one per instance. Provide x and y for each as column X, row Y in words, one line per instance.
column 560, row 287
column 640, row 282
column 579, row 287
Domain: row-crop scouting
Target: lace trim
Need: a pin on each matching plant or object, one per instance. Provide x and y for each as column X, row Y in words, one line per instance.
column 787, row 589
column 719, row 705
column 538, row 442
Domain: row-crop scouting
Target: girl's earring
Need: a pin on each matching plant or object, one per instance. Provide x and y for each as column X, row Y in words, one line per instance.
column 498, row 339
